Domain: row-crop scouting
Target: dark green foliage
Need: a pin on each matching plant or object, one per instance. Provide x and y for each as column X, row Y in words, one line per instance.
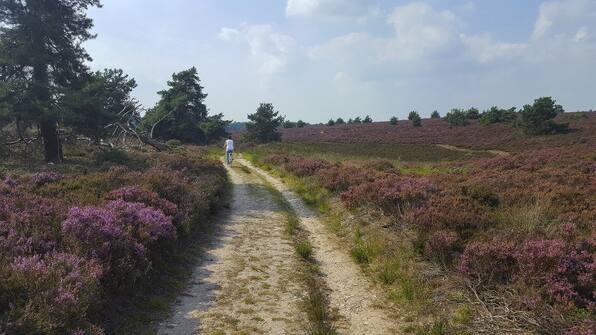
column 393, row 121
column 498, row 115
column 98, row 102
column 357, row 120
column 350, row 121
column 473, row 114
column 330, row 123
column 457, row 117
column 340, row 121
column 263, row 124
column 538, row 119
column 289, row 124
column 300, row 124
column 367, row 119
column 181, row 113
column 435, row 115
column 415, row 118
column 41, row 57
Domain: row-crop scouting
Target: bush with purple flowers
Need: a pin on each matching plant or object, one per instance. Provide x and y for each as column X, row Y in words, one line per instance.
column 43, row 178
column 68, row 248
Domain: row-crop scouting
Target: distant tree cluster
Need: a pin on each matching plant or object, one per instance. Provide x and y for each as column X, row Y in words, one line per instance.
column 535, row 119
column 357, row 120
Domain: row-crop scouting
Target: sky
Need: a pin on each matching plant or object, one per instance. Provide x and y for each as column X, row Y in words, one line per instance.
column 321, row 59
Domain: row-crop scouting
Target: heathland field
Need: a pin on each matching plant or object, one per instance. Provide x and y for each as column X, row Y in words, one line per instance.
column 493, row 235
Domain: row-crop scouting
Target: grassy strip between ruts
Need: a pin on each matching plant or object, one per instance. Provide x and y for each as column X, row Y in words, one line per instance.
column 388, row 260
column 316, row 304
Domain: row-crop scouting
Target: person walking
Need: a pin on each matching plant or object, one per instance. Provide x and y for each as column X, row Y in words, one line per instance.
column 229, row 146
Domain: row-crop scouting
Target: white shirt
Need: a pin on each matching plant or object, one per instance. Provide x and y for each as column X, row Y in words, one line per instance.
column 229, row 145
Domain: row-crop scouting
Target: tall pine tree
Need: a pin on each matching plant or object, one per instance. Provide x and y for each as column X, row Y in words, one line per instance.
column 181, row 113
column 41, row 56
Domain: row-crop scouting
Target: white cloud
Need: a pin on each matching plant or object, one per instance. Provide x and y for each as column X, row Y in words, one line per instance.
column 271, row 50
column 563, row 17
column 420, row 30
column 359, row 10
column 431, row 41
column 485, row 50
column 228, row 34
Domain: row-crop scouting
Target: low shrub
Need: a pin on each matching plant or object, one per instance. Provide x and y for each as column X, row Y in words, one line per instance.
column 340, row 178
column 43, row 178
column 441, row 247
column 392, row 194
column 488, row 263
column 70, row 245
column 55, row 293
column 305, row 167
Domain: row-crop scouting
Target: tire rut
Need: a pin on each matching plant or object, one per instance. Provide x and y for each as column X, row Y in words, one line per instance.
column 354, row 298
column 246, row 283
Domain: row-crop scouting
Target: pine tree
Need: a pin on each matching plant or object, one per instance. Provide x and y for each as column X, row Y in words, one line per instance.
column 263, row 124
column 181, row 113
column 41, row 44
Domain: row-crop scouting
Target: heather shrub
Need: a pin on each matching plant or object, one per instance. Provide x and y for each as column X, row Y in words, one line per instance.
column 55, row 293
column 488, row 263
column 305, row 167
column 276, row 159
column 453, row 212
column 149, row 198
column 587, row 327
column 392, row 194
column 340, row 178
column 565, row 272
column 43, row 178
column 441, row 247
column 97, row 233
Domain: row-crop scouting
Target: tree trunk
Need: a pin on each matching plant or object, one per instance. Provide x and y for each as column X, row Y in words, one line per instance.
column 51, row 142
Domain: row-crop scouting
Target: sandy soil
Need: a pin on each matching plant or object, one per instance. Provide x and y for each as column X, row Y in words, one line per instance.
column 355, row 299
column 249, row 280
column 247, row 283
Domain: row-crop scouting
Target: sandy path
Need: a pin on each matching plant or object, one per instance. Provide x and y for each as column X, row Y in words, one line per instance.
column 248, row 282
column 351, row 294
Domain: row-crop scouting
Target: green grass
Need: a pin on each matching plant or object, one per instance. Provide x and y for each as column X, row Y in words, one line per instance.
column 339, row 152
column 304, row 249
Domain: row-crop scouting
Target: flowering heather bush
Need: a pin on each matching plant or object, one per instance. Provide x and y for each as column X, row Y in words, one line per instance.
column 10, row 182
column 566, row 272
column 488, row 263
column 454, row 212
column 96, row 233
column 276, row 159
column 392, row 194
column 43, row 178
column 55, row 293
column 441, row 246
column 305, row 167
column 28, row 224
column 68, row 248
column 585, row 328
column 149, row 198
column 145, row 224
column 340, row 178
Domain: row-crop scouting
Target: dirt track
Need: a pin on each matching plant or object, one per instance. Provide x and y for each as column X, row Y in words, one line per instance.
column 248, row 282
